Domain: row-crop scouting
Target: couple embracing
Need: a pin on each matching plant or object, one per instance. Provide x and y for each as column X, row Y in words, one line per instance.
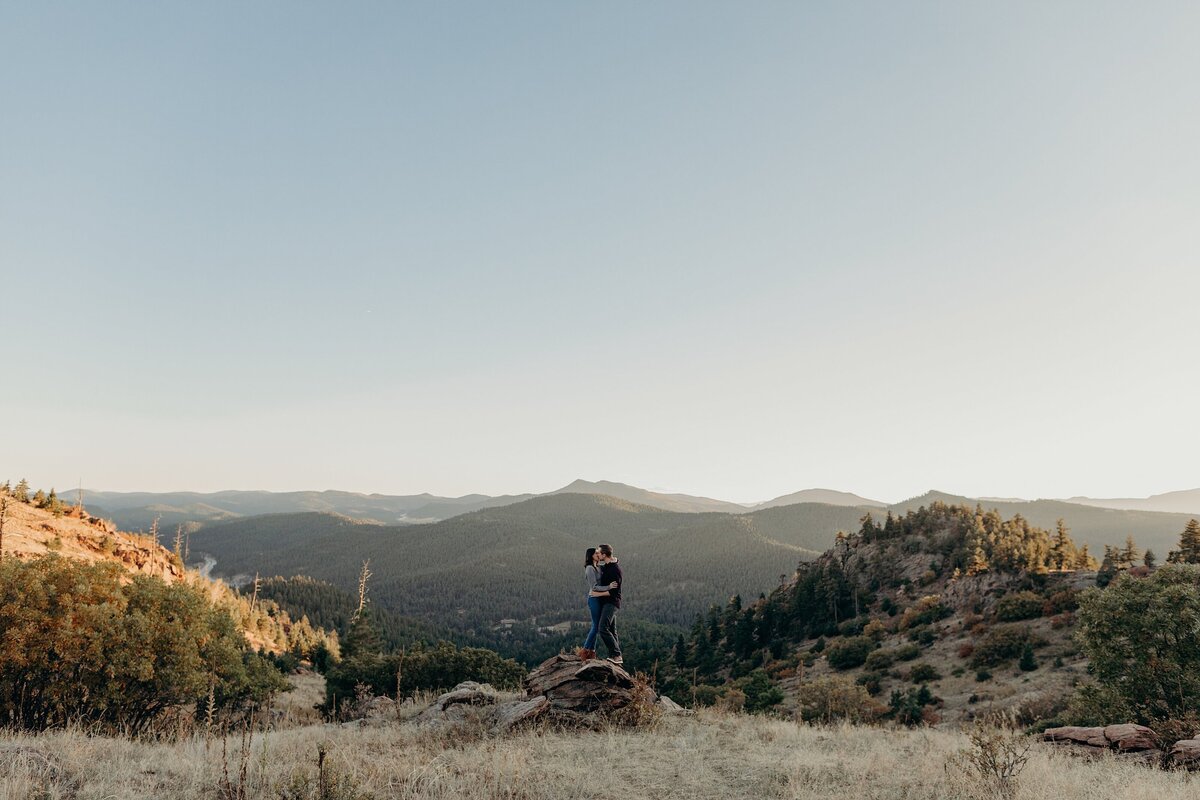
column 603, row 578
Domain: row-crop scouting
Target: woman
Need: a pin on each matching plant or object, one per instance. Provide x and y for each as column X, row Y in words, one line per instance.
column 591, row 577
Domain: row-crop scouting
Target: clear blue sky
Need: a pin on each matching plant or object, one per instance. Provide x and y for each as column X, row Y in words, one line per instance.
column 734, row 249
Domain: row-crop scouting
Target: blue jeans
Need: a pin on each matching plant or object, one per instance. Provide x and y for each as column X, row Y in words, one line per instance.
column 589, row 643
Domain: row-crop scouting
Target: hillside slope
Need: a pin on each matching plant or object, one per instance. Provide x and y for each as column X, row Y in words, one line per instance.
column 524, row 561
column 30, row 532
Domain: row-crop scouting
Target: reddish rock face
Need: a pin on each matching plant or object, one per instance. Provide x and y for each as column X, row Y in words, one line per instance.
column 1075, row 735
column 1186, row 754
column 1129, row 737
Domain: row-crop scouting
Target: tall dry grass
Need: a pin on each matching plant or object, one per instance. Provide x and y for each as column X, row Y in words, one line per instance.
column 713, row 755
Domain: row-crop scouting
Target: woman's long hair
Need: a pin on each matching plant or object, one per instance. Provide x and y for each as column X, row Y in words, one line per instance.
column 588, row 557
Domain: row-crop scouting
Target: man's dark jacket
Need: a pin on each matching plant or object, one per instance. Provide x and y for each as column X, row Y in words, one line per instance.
column 610, row 572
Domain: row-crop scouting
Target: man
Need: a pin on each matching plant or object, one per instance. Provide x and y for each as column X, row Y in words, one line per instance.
column 610, row 575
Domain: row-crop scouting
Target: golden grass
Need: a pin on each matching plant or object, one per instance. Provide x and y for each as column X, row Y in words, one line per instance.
column 710, row 756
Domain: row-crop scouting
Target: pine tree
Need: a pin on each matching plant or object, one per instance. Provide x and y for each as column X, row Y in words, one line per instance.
column 1189, row 545
column 1062, row 550
column 363, row 637
column 21, row 493
column 978, row 563
column 1028, row 662
column 681, row 652
column 39, row 498
column 1108, row 567
column 1130, row 553
column 1149, row 559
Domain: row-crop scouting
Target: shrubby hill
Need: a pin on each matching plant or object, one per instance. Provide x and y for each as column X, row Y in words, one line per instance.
column 939, row 614
column 40, row 524
column 523, row 561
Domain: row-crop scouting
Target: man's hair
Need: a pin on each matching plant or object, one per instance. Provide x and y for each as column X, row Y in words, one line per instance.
column 606, row 549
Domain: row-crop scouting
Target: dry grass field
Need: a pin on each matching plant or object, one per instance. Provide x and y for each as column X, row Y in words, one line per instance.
column 712, row 755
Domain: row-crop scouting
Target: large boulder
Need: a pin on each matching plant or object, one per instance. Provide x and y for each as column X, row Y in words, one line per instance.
column 1131, row 738
column 1072, row 735
column 571, row 684
column 1126, row 741
column 455, row 706
column 1185, row 754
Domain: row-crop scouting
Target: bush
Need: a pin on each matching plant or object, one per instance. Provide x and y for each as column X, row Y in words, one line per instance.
column 848, row 653
column 852, row 627
column 761, row 693
column 871, row 681
column 1060, row 602
column 907, row 652
column 875, row 629
column 837, row 699
column 880, row 660
column 965, row 650
column 924, row 673
column 927, row 610
column 1028, row 662
column 1142, row 638
column 982, row 675
column 705, row 695
column 1002, row 643
column 134, row 648
column 441, row 667
column 908, row 708
column 1019, row 606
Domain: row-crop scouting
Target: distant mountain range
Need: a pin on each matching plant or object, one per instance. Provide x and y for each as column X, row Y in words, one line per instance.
column 1186, row 501
column 138, row 510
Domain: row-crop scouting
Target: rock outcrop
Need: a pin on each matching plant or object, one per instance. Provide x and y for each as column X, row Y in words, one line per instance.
column 563, row 690
column 1128, row 741
column 1185, row 754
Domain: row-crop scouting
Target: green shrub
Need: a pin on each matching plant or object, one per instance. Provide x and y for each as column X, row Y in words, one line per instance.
column 849, row 653
column 1002, row 643
column 853, row 627
column 1061, row 601
column 927, row 610
column 924, row 673
column 705, row 695
column 1028, row 662
column 907, row 652
column 440, row 667
column 871, row 681
column 836, row 699
column 1019, row 606
column 908, row 708
column 761, row 693
column 880, row 660
column 134, row 648
column 1142, row 639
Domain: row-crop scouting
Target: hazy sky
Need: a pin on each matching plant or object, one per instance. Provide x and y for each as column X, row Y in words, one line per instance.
column 734, row 249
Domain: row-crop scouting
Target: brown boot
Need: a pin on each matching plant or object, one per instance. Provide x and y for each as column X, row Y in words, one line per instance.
column 582, row 653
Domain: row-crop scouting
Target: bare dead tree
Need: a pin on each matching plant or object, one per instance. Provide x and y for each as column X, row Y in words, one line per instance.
column 362, row 588
column 179, row 541
column 154, row 529
column 3, row 518
column 254, row 596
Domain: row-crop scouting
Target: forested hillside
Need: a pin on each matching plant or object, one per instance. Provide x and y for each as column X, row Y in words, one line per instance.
column 524, row 561
column 1089, row 525
column 901, row 602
